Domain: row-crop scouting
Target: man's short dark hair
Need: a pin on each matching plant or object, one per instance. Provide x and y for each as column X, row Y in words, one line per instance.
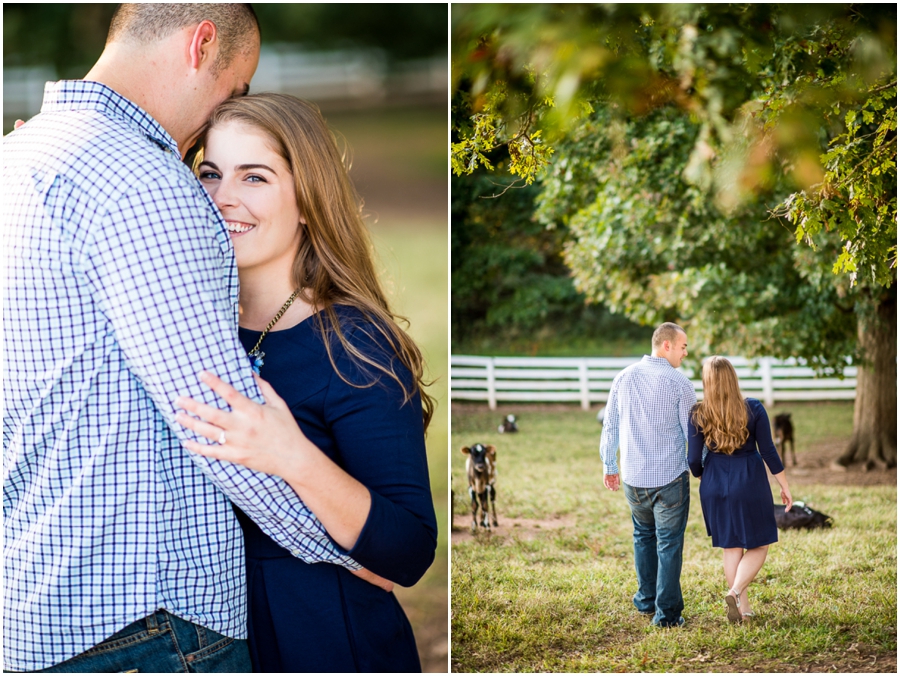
column 667, row 331
column 236, row 24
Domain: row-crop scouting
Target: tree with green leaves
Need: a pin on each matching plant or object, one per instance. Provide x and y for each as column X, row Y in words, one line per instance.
column 732, row 167
column 509, row 281
column 70, row 36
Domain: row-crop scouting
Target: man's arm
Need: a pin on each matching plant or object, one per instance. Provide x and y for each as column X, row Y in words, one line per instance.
column 685, row 404
column 156, row 266
column 609, row 438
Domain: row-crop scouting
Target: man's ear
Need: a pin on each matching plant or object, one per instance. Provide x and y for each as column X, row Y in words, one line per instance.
column 204, row 45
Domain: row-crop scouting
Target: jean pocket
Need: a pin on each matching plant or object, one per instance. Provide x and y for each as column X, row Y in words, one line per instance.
column 211, row 643
column 125, row 638
column 673, row 494
column 631, row 495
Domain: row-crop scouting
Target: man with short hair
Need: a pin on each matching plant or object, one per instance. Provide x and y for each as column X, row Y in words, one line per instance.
column 121, row 550
column 647, row 421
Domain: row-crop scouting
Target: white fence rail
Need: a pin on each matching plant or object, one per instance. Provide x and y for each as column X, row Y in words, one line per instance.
column 588, row 380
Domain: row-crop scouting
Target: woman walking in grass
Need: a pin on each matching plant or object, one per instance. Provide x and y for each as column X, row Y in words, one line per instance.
column 734, row 490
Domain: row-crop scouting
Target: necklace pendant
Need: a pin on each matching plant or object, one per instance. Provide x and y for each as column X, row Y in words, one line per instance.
column 256, row 360
column 256, row 357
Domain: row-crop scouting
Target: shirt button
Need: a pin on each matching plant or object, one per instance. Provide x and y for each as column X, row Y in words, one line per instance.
column 295, row 552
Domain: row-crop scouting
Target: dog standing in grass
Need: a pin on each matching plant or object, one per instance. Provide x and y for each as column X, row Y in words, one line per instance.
column 784, row 432
column 481, row 470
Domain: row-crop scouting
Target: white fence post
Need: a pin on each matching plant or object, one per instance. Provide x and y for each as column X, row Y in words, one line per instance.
column 585, row 386
column 765, row 367
column 491, row 385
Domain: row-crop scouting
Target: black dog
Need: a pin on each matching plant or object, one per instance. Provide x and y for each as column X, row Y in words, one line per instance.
column 508, row 425
column 784, row 432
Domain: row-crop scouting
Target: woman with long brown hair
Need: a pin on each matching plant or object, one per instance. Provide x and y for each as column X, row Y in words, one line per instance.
column 734, row 490
column 346, row 407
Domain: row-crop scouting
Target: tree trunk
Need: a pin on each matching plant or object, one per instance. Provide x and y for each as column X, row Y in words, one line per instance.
column 875, row 414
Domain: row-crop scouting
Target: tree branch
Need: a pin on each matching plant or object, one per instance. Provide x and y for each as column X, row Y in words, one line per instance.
column 509, row 187
column 881, row 89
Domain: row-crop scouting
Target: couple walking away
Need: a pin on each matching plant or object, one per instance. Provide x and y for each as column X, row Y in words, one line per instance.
column 652, row 413
column 142, row 519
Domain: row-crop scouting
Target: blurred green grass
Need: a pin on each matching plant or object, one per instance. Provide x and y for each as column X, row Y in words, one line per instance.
column 414, row 266
column 547, row 343
column 413, row 256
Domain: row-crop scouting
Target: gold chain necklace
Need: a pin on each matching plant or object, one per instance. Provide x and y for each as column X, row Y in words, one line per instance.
column 256, row 357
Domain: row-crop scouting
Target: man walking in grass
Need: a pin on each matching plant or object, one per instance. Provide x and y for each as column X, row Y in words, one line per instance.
column 647, row 421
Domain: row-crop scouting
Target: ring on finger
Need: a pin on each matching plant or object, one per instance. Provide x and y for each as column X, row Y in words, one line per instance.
column 222, row 438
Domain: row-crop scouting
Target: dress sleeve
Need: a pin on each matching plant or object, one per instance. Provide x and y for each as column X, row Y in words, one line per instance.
column 695, row 447
column 381, row 442
column 763, row 433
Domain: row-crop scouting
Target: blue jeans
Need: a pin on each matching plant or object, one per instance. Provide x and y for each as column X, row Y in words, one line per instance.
column 161, row 643
column 660, row 517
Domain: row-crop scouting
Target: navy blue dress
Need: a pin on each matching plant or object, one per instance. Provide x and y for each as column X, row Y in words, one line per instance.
column 734, row 493
column 320, row 617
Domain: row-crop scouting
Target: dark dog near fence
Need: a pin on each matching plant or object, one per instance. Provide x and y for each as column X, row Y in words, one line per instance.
column 481, row 469
column 784, row 432
column 508, row 424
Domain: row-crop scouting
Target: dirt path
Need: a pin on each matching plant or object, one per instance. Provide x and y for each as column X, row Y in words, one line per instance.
column 815, row 467
column 523, row 529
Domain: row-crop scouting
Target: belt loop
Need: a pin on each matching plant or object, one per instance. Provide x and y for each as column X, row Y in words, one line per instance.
column 152, row 623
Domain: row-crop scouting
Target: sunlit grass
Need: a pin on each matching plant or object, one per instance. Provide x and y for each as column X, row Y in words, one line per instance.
column 561, row 601
column 551, row 345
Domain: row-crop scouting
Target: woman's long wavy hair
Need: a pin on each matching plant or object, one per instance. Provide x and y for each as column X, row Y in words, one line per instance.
column 722, row 415
column 334, row 264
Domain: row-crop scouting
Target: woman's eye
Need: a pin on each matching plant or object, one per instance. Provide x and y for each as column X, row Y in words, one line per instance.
column 208, row 175
column 256, row 179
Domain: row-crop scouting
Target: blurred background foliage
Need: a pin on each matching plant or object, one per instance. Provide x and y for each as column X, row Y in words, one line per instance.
column 379, row 74
column 730, row 167
column 72, row 34
column 511, row 292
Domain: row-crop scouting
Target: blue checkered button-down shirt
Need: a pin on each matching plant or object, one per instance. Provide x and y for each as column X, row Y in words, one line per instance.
column 647, row 421
column 120, row 287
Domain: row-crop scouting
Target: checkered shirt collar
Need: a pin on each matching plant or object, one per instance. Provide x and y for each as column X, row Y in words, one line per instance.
column 67, row 95
column 657, row 361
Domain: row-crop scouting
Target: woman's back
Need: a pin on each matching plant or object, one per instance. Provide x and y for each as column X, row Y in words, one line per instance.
column 734, row 488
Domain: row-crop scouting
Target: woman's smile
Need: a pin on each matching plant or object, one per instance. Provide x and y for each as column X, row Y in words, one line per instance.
column 238, row 228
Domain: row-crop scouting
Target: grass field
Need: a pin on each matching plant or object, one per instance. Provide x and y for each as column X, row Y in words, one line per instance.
column 551, row 591
column 552, row 345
